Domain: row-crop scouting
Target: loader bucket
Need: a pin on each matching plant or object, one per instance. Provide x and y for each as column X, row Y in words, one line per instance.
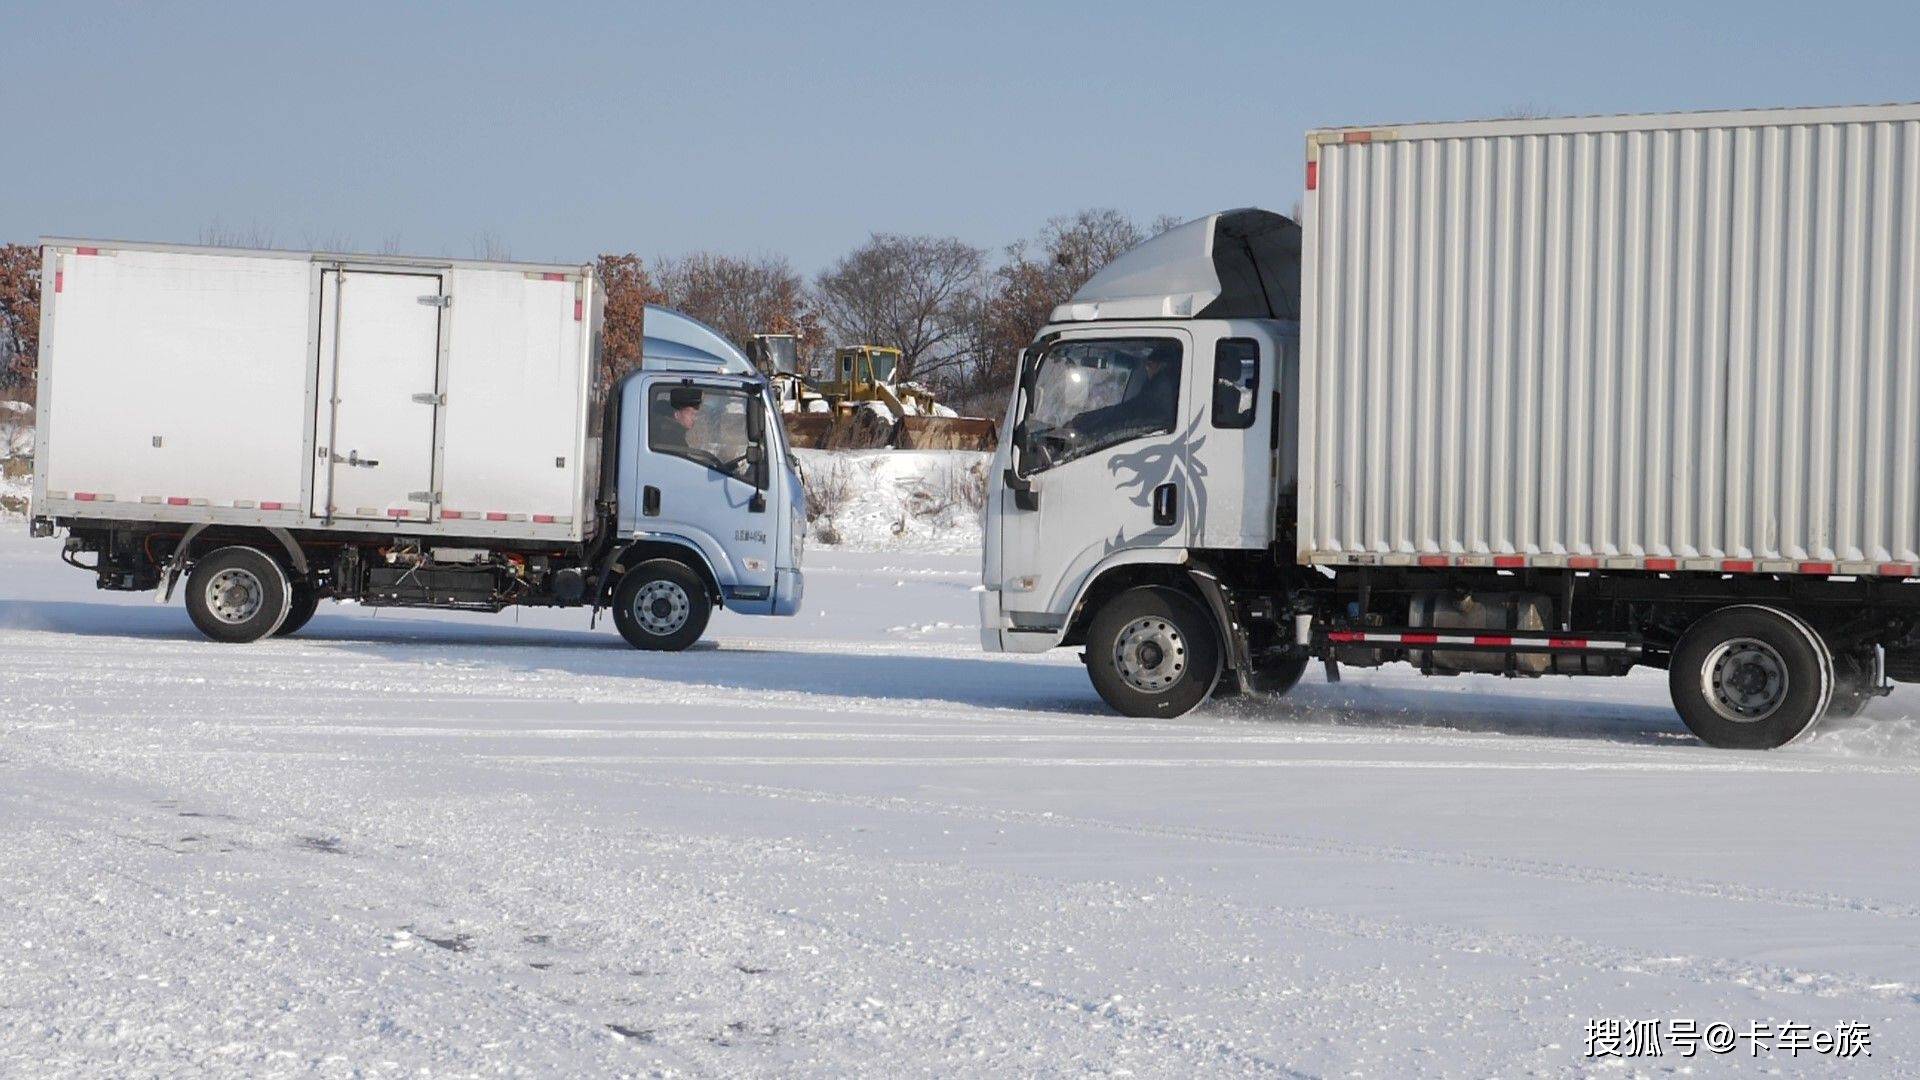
column 945, row 433
column 810, row 431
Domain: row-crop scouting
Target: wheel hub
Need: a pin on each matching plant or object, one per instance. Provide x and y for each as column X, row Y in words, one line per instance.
column 1744, row 680
column 235, row 595
column 661, row 608
column 1150, row 654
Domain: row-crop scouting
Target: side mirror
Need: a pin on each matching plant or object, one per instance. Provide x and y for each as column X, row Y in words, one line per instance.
column 757, row 421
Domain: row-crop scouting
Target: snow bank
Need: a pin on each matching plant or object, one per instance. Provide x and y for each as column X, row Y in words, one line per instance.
column 883, row 500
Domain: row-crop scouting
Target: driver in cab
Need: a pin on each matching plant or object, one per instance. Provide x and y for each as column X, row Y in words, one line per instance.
column 1151, row 402
column 673, row 427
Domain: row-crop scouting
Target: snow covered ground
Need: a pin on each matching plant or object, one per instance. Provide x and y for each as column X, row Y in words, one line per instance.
column 896, row 500
column 849, row 843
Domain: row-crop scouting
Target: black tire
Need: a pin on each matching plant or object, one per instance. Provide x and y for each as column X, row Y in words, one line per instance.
column 1750, row 678
column 1169, row 648
column 676, row 606
column 238, row 594
column 1853, row 686
column 1277, row 676
column 305, row 602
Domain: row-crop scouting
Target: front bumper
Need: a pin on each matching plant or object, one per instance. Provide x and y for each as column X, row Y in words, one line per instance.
column 789, row 589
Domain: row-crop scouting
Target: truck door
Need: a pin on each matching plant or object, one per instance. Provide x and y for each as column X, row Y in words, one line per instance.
column 375, row 428
column 703, row 463
column 1101, row 446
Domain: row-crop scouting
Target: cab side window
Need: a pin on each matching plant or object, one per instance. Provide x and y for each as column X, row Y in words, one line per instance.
column 1236, row 382
column 701, row 424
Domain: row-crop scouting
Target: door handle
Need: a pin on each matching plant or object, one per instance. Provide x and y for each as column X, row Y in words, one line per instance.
column 650, row 501
column 1166, row 504
column 353, row 458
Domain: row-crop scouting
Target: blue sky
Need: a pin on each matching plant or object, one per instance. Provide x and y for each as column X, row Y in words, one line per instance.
column 566, row 129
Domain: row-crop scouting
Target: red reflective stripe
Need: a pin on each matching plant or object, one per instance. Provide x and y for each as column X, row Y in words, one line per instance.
column 273, row 506
column 1816, row 568
column 1737, row 566
column 59, row 280
column 1582, row 562
column 1566, row 643
column 1313, row 175
column 1433, row 560
column 176, row 500
column 579, row 308
column 1492, row 639
column 1509, row 560
column 1420, row 639
column 83, row 496
column 450, row 515
column 1357, row 136
column 1663, row 564
column 553, row 277
column 398, row 513
column 494, row 515
column 1896, row 569
column 543, row 519
column 86, row 251
column 1346, row 635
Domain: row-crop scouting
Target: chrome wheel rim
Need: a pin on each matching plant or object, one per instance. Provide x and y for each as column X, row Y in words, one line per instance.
column 235, row 595
column 661, row 608
column 1150, row 654
column 1744, row 680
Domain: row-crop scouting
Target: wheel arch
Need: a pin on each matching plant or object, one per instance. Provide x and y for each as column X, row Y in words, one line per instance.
column 1117, row 576
column 664, row 547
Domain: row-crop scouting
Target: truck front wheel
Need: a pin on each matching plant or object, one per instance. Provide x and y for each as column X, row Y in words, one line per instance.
column 1750, row 678
column 1152, row 651
column 661, row 605
column 237, row 594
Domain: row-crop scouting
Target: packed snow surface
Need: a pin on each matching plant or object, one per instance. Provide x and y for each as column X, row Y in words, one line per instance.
column 849, row 843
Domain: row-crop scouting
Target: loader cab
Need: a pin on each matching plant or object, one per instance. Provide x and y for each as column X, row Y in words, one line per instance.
column 1152, row 418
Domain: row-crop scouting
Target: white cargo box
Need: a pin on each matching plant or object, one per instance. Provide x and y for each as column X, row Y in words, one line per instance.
column 363, row 393
column 1666, row 342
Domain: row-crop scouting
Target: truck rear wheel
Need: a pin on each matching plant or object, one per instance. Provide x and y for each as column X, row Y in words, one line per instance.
column 1750, row 678
column 305, row 602
column 1275, row 677
column 237, row 594
column 661, row 605
column 1152, row 651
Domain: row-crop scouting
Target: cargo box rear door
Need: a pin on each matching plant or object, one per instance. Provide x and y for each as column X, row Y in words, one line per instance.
column 379, row 395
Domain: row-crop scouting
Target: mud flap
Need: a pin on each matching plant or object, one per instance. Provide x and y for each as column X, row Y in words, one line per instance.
column 1233, row 636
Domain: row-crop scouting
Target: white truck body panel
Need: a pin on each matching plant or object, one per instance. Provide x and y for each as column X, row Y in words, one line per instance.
column 1688, row 337
column 190, row 385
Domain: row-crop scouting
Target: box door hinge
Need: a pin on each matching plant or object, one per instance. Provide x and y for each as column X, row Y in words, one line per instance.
column 430, row 399
column 437, row 301
column 431, row 498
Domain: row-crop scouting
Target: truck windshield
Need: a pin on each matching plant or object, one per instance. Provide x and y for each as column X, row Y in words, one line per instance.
column 1090, row 395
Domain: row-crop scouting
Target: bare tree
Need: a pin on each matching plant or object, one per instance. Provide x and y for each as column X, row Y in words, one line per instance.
column 1037, row 276
column 489, row 246
column 910, row 292
column 218, row 233
column 739, row 297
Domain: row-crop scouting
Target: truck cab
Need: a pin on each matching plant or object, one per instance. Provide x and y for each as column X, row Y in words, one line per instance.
column 1153, row 418
column 705, row 478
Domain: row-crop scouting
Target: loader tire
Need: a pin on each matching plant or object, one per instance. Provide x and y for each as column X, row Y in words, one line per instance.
column 1750, row 677
column 306, row 600
column 1153, row 651
column 661, row 605
column 238, row 594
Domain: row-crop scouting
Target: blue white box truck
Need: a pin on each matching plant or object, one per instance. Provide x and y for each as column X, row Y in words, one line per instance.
column 280, row 428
